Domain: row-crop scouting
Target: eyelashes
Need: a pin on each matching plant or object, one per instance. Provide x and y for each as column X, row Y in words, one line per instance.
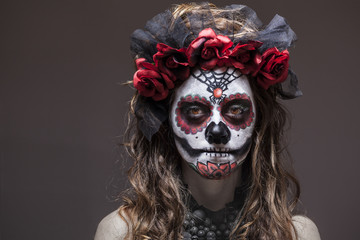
column 235, row 109
column 236, row 112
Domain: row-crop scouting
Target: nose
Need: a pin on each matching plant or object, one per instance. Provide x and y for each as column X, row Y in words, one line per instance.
column 217, row 133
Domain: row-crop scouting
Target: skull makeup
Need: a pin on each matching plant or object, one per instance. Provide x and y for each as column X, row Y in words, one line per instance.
column 213, row 117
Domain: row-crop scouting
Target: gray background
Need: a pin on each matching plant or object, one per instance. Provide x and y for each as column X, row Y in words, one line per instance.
column 63, row 110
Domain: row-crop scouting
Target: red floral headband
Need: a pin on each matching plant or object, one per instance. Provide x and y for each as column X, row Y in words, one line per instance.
column 208, row 50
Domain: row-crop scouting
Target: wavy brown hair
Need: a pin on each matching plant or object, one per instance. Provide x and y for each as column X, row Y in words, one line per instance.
column 154, row 207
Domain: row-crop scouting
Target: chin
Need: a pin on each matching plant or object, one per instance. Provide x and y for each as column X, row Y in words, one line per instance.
column 214, row 170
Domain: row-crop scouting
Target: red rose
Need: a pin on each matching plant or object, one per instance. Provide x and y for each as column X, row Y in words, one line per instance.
column 246, row 57
column 273, row 67
column 150, row 82
column 172, row 61
column 207, row 49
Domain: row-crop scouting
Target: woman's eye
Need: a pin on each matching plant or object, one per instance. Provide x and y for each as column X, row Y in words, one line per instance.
column 195, row 113
column 236, row 110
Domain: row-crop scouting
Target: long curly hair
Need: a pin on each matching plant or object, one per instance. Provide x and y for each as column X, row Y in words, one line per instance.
column 154, row 208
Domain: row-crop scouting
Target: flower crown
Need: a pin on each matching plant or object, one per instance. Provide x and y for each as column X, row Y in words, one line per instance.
column 169, row 47
column 208, row 50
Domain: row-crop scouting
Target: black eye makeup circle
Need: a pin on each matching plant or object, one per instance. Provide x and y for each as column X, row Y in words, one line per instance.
column 236, row 111
column 194, row 113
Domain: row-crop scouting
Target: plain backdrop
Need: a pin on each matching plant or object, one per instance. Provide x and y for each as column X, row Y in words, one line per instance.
column 63, row 111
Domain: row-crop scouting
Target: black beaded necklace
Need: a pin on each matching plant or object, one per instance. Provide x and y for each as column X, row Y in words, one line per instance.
column 203, row 224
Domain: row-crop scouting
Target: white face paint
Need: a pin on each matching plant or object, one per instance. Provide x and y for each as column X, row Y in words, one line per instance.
column 213, row 117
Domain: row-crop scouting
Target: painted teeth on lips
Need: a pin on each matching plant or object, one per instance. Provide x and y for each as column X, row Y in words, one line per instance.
column 215, row 150
column 214, row 154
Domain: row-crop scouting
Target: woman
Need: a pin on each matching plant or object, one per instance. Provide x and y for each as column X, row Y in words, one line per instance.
column 207, row 136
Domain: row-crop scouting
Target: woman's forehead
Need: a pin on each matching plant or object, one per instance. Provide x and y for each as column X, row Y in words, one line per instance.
column 214, row 84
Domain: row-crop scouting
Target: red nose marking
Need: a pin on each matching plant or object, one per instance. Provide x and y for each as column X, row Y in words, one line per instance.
column 217, row 92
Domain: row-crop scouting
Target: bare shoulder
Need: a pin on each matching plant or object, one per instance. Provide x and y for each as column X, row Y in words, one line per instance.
column 305, row 228
column 111, row 227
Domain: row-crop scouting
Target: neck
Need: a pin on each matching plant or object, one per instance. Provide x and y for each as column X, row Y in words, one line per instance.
column 212, row 194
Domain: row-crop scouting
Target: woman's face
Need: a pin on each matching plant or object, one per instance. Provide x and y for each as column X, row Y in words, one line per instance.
column 213, row 117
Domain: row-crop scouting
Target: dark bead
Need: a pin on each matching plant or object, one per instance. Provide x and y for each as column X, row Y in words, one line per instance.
column 194, row 230
column 207, row 222
column 213, row 228
column 186, row 235
column 195, row 237
column 186, row 224
column 218, row 233
column 206, row 229
column 211, row 234
column 187, row 216
column 227, row 232
column 199, row 215
column 192, row 222
column 201, row 227
column 210, row 238
column 222, row 227
column 231, row 217
column 201, row 233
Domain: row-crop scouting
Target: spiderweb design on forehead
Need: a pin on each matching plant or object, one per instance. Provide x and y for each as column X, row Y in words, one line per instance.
column 217, row 82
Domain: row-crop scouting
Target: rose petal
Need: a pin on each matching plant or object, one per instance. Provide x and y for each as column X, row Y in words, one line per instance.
column 161, row 95
column 149, row 66
column 194, row 50
column 148, row 73
column 168, row 81
column 237, row 64
column 269, row 51
column 161, row 47
column 209, row 53
column 268, row 76
column 159, row 87
column 212, row 43
column 227, row 43
column 208, row 65
column 207, row 33
column 256, row 44
column 145, row 87
column 264, row 84
column 139, row 62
